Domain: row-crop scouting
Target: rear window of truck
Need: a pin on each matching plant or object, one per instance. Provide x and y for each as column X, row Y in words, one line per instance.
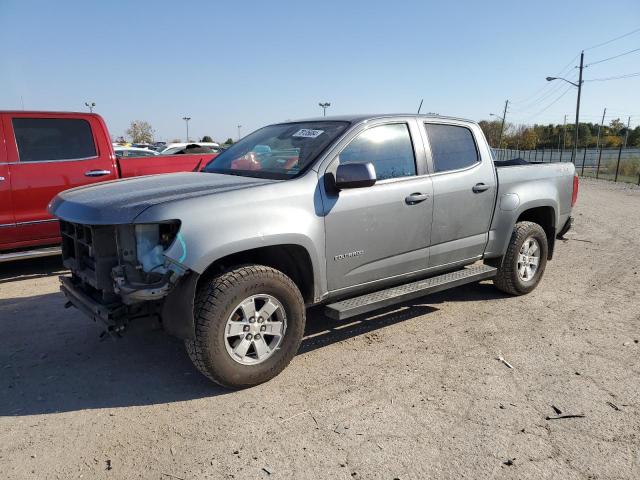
column 51, row 139
column 452, row 147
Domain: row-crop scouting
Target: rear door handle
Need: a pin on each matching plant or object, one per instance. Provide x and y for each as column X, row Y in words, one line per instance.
column 97, row 173
column 480, row 187
column 416, row 198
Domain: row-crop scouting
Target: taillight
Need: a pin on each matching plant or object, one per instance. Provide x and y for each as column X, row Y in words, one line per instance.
column 574, row 195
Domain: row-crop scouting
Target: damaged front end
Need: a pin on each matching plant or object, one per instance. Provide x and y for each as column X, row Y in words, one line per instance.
column 120, row 272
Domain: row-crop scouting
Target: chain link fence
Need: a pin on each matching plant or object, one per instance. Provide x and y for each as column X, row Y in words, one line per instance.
column 615, row 164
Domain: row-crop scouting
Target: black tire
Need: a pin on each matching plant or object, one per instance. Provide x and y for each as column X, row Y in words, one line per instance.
column 508, row 279
column 216, row 300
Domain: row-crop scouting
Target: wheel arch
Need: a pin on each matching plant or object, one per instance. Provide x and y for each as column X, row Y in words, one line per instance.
column 545, row 216
column 541, row 212
column 293, row 260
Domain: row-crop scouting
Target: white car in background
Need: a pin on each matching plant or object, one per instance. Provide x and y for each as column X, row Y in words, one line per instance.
column 177, row 148
column 124, row 152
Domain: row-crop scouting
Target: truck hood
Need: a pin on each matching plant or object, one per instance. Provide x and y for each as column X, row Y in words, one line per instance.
column 121, row 201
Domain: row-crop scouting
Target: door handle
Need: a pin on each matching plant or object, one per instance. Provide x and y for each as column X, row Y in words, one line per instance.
column 416, row 198
column 480, row 187
column 96, row 173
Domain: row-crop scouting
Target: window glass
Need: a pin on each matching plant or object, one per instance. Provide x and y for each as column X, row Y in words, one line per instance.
column 387, row 147
column 41, row 139
column 278, row 151
column 452, row 147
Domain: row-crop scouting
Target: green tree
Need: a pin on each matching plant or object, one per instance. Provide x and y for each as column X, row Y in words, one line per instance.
column 229, row 141
column 616, row 126
column 634, row 137
column 491, row 130
column 140, row 131
column 207, row 138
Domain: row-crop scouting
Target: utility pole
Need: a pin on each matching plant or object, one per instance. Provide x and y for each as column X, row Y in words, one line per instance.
column 504, row 115
column 626, row 135
column 239, row 127
column 89, row 105
column 574, row 152
column 186, row 120
column 600, row 128
column 604, row 113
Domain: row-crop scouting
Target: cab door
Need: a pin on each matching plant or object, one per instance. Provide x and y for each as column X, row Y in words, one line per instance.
column 464, row 192
column 376, row 233
column 7, row 221
column 50, row 153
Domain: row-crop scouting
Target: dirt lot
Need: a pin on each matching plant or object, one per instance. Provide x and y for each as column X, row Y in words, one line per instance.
column 415, row 392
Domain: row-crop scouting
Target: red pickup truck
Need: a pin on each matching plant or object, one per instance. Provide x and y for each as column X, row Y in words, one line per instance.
column 43, row 153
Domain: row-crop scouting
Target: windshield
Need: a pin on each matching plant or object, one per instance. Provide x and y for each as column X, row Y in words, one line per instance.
column 279, row 151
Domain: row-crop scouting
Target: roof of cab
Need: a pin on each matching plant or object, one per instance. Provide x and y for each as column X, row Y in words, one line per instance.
column 40, row 112
column 357, row 118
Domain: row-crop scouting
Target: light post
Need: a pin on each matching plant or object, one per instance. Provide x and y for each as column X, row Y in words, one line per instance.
column 186, row 120
column 89, row 105
column 324, row 106
column 239, row 127
column 574, row 152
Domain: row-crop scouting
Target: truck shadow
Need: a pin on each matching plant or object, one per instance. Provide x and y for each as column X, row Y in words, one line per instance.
column 53, row 360
column 31, row 268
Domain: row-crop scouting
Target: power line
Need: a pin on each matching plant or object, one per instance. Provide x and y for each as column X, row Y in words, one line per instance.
column 605, row 79
column 569, row 87
column 534, row 103
column 613, row 39
column 559, row 74
column 611, row 58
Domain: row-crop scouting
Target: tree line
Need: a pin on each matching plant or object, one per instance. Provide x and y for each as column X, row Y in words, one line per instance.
column 141, row 131
column 529, row 137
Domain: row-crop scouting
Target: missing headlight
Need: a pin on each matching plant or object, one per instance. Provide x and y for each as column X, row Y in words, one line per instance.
column 151, row 241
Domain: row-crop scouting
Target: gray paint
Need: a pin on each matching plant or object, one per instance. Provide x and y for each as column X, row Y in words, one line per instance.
column 357, row 239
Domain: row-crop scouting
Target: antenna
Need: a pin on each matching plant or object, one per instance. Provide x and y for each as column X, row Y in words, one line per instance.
column 420, row 107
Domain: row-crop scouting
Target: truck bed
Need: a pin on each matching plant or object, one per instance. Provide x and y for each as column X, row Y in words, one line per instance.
column 138, row 166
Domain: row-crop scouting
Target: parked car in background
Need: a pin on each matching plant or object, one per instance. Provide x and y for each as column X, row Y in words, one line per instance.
column 194, row 147
column 44, row 153
column 134, row 152
column 356, row 213
column 159, row 146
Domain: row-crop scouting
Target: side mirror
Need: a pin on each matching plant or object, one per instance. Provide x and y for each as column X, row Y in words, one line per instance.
column 355, row 175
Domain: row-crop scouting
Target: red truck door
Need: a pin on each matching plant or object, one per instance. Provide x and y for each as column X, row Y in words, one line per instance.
column 49, row 153
column 7, row 222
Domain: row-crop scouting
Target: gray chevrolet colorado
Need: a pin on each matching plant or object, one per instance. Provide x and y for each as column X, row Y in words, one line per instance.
column 355, row 213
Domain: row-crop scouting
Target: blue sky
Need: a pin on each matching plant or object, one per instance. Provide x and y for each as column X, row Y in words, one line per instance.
column 225, row 63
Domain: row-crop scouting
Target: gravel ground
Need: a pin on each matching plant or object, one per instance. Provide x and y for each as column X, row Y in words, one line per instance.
column 411, row 393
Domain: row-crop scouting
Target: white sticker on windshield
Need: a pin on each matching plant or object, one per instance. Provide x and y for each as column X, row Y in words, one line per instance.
column 308, row 133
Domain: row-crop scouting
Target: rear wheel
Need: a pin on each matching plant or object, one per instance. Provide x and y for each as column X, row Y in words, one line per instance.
column 249, row 324
column 526, row 258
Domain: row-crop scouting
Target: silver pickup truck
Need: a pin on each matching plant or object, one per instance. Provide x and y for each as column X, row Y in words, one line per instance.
column 355, row 213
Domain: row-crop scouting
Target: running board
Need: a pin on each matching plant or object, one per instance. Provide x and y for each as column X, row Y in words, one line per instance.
column 409, row 291
column 40, row 252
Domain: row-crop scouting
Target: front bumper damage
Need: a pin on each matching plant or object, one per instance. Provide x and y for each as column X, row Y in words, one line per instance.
column 119, row 273
column 175, row 311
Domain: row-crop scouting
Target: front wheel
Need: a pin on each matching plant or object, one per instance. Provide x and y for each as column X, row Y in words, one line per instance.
column 526, row 258
column 249, row 324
